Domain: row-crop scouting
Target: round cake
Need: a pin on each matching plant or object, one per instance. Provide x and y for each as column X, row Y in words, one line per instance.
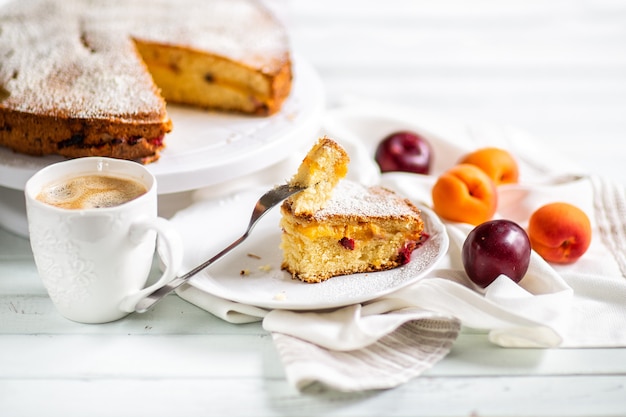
column 92, row 77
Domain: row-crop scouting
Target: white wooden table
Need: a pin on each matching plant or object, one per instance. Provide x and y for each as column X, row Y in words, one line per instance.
column 556, row 69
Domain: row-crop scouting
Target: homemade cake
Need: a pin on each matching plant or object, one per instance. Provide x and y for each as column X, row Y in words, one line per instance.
column 358, row 229
column 92, row 77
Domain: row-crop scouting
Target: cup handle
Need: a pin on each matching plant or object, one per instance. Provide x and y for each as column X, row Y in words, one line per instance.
column 170, row 250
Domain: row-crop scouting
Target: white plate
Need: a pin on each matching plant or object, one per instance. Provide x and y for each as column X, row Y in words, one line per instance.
column 207, row 227
column 207, row 148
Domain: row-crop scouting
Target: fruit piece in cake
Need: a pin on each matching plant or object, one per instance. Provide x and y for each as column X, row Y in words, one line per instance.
column 320, row 171
column 359, row 230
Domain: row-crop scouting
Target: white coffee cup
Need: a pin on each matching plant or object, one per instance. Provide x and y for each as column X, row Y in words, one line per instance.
column 95, row 262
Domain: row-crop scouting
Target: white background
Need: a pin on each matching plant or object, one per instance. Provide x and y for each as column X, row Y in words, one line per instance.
column 556, row 69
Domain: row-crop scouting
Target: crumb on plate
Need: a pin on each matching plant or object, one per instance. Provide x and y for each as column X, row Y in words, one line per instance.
column 281, row 296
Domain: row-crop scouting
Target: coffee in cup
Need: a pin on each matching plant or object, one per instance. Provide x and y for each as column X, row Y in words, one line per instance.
column 91, row 191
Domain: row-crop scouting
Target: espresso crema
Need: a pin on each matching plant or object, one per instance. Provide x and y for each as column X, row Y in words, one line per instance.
column 91, row 191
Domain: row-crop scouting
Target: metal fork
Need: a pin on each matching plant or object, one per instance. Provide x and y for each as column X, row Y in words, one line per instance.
column 263, row 205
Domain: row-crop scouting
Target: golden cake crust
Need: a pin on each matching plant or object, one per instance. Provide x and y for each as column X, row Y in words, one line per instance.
column 73, row 81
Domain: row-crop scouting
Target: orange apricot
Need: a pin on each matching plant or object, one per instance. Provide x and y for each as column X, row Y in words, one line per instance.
column 559, row 232
column 498, row 163
column 465, row 194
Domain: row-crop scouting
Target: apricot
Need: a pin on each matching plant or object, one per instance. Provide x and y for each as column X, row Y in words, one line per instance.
column 559, row 232
column 465, row 194
column 498, row 163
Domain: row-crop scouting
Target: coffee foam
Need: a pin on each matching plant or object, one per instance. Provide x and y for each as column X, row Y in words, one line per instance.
column 91, row 191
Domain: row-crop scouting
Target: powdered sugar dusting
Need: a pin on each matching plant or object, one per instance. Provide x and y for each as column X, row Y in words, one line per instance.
column 53, row 62
column 352, row 198
column 238, row 29
column 77, row 57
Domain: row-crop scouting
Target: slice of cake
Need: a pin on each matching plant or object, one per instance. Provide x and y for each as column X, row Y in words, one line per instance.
column 92, row 77
column 358, row 229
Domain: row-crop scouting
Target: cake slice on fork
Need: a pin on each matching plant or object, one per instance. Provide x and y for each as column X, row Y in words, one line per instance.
column 339, row 227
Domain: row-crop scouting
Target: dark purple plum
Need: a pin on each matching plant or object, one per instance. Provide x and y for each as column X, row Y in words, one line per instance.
column 493, row 248
column 404, row 151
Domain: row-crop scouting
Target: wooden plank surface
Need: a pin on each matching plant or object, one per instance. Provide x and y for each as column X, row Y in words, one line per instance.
column 571, row 396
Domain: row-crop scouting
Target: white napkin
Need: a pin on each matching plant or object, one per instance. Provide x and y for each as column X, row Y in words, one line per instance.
column 582, row 303
column 386, row 341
